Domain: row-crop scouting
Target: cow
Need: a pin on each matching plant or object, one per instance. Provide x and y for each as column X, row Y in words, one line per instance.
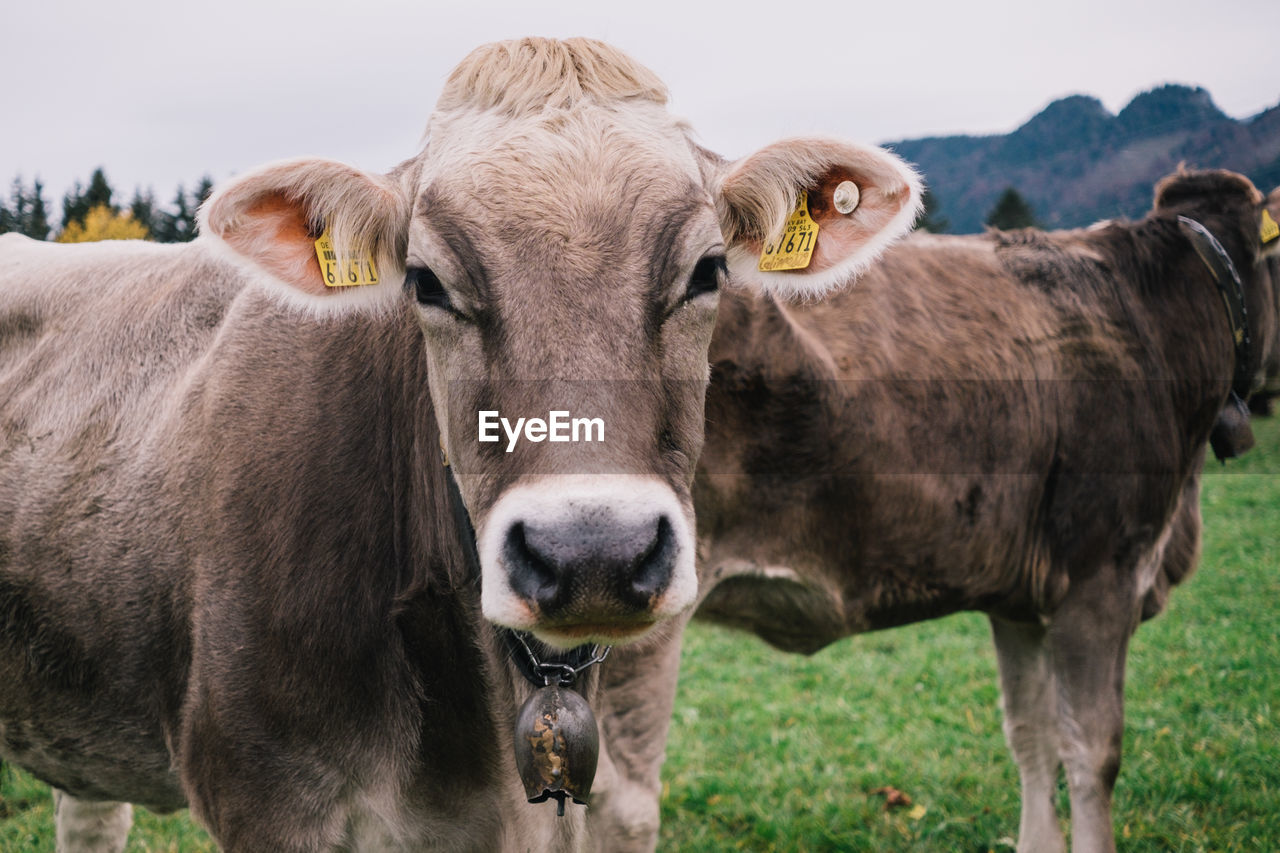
column 260, row 551
column 1012, row 423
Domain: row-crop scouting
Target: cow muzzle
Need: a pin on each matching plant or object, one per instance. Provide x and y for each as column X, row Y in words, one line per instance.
column 586, row 559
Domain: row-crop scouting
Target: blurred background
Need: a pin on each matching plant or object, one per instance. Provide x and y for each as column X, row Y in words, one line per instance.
column 1017, row 113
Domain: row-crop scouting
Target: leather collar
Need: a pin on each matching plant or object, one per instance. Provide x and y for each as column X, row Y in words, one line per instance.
column 1232, row 289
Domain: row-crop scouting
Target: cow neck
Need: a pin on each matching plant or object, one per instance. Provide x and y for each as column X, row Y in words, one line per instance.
column 759, row 336
column 1225, row 276
column 538, row 665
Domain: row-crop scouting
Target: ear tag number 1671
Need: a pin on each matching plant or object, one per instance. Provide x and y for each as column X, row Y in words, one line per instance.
column 794, row 249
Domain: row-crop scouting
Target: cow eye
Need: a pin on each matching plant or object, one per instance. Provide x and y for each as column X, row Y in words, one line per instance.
column 427, row 288
column 706, row 276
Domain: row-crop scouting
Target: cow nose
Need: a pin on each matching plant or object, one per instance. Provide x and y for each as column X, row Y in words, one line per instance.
column 584, row 566
column 578, row 559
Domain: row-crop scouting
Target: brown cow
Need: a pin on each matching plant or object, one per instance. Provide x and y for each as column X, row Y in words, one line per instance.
column 1012, row 423
column 232, row 570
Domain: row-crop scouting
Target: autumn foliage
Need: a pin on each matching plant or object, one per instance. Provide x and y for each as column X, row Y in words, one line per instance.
column 101, row 223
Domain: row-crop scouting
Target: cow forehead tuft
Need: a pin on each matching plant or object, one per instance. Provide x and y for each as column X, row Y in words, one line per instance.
column 534, row 74
column 541, row 117
column 582, row 174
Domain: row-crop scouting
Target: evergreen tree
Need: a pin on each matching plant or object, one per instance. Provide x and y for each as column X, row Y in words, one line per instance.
column 37, row 220
column 178, row 223
column 174, row 226
column 143, row 209
column 1011, row 211
column 929, row 220
column 37, row 224
column 74, row 206
column 27, row 213
column 11, row 219
column 99, row 192
column 183, row 217
column 21, row 204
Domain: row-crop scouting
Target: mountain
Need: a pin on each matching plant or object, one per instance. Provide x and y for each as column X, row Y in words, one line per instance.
column 1076, row 163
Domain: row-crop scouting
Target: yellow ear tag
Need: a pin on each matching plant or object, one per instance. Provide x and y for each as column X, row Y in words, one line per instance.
column 794, row 249
column 1270, row 230
column 351, row 273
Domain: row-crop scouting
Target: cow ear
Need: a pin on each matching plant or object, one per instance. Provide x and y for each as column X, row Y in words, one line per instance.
column 272, row 217
column 861, row 199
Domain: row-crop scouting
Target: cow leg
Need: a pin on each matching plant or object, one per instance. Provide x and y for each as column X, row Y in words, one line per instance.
column 638, row 689
column 88, row 826
column 1088, row 641
column 1031, row 728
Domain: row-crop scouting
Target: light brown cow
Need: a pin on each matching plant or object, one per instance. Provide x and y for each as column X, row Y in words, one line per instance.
column 230, row 574
column 1010, row 423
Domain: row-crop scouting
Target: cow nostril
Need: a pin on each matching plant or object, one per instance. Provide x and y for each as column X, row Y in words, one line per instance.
column 651, row 571
column 532, row 574
column 593, row 565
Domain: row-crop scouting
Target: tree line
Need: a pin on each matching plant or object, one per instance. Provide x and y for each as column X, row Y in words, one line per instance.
column 92, row 213
column 1010, row 211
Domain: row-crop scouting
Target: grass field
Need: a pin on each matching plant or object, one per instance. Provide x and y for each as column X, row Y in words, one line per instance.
column 779, row 752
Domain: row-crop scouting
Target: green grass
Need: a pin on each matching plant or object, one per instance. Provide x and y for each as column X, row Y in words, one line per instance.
column 26, row 822
column 779, row 752
column 770, row 751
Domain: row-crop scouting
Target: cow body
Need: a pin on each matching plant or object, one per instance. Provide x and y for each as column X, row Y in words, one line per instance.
column 235, row 571
column 1009, row 423
column 217, row 420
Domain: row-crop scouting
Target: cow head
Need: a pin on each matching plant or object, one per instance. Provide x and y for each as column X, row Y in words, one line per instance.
column 561, row 241
column 1245, row 222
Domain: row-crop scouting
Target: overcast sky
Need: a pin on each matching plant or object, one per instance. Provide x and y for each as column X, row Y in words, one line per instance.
column 160, row 92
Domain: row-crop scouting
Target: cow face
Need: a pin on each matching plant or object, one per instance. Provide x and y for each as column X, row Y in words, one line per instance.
column 561, row 242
